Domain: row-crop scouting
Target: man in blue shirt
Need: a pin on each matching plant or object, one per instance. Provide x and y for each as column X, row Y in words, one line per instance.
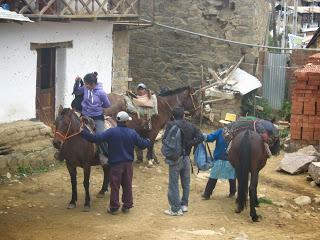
column 222, row 168
column 121, row 142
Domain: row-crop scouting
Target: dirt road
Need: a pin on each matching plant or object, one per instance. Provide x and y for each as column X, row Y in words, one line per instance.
column 35, row 208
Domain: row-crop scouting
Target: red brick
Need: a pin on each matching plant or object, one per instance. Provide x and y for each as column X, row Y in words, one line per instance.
column 316, row 135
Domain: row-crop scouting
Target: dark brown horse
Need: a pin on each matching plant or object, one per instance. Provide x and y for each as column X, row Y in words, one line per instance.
column 182, row 97
column 248, row 154
column 77, row 152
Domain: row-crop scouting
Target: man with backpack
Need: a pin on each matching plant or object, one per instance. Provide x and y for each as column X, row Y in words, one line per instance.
column 179, row 137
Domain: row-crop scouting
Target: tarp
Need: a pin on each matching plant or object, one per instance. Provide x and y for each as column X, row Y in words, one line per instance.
column 243, row 82
column 12, row 16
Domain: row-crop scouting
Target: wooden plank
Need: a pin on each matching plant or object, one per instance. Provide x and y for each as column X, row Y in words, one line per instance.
column 67, row 7
column 131, row 7
column 34, row 46
column 101, row 6
column 43, row 10
column 85, row 5
column 29, row 6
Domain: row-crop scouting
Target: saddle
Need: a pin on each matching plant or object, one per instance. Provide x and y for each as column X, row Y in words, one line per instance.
column 144, row 106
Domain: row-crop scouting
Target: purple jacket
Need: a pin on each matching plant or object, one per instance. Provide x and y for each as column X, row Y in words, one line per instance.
column 94, row 101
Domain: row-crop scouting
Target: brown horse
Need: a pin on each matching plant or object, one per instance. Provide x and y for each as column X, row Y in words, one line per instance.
column 78, row 153
column 248, row 154
column 180, row 97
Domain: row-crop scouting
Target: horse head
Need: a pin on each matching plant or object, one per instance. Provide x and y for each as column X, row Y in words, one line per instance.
column 67, row 125
column 182, row 97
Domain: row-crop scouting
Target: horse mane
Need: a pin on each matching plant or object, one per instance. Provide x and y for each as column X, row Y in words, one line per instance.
column 64, row 111
column 174, row 91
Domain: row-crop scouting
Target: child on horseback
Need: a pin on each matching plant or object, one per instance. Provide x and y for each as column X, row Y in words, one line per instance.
column 95, row 100
column 222, row 168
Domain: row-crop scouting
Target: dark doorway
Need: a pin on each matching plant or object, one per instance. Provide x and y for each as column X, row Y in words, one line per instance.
column 45, row 94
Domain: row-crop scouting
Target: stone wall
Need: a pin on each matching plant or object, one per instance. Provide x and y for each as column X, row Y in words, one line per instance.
column 162, row 57
column 30, row 144
column 120, row 60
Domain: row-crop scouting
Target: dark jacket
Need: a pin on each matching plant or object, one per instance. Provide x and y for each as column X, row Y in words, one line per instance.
column 121, row 141
column 191, row 135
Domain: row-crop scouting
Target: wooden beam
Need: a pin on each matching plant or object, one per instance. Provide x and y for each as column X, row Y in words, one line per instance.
column 35, row 46
column 131, row 7
column 101, row 6
column 67, row 7
column 85, row 5
column 43, row 10
column 29, row 6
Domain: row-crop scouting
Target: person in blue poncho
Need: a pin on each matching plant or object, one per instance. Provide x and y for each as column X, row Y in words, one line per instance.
column 222, row 168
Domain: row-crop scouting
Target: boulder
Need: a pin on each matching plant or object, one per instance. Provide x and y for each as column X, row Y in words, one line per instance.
column 310, row 151
column 314, row 171
column 302, row 200
column 296, row 162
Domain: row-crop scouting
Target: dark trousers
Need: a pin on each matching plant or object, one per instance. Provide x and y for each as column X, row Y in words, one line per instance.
column 121, row 174
column 211, row 184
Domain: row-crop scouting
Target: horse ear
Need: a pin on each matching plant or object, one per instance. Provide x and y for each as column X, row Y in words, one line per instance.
column 60, row 109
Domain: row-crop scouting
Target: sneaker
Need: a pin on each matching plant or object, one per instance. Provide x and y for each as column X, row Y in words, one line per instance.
column 172, row 213
column 184, row 208
column 112, row 211
column 125, row 210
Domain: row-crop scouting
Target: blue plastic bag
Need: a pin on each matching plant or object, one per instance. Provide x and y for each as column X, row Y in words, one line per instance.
column 202, row 160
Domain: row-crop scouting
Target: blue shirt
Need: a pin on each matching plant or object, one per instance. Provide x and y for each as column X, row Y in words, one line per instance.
column 121, row 141
column 221, row 145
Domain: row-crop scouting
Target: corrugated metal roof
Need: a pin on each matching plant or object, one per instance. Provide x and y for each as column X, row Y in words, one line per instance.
column 12, row 16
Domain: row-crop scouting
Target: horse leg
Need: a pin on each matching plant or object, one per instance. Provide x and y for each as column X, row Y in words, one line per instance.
column 105, row 184
column 73, row 178
column 86, row 178
column 252, row 194
column 256, row 195
column 139, row 153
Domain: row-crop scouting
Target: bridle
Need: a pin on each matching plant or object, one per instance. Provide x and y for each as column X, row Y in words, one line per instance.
column 195, row 108
column 64, row 137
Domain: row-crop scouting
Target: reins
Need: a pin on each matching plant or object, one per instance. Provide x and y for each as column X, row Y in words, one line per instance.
column 65, row 137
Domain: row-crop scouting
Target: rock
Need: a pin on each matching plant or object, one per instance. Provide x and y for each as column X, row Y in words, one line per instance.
column 313, row 184
column 242, row 236
column 280, row 203
column 302, row 200
column 285, row 215
column 297, row 162
column 309, row 178
column 8, row 175
column 317, row 200
column 314, row 171
column 309, row 150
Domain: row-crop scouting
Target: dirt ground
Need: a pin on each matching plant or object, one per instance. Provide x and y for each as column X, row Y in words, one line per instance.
column 35, row 208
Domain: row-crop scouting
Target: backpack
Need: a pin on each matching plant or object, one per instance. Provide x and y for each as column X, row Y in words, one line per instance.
column 172, row 146
column 202, row 159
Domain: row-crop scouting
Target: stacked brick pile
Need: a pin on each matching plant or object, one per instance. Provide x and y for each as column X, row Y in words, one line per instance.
column 305, row 111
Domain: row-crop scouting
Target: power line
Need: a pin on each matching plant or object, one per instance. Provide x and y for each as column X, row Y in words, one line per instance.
column 228, row 61
column 226, row 40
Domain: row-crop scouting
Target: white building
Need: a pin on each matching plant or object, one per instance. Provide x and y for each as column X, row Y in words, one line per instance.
column 39, row 60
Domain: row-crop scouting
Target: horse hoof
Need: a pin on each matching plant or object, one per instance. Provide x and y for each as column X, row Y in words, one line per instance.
column 71, row 206
column 86, row 208
column 100, row 195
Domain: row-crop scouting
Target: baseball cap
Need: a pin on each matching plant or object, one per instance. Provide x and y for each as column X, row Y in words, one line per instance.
column 122, row 116
column 141, row 85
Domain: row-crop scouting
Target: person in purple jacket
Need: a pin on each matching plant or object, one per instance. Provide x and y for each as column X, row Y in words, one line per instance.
column 121, row 142
column 95, row 100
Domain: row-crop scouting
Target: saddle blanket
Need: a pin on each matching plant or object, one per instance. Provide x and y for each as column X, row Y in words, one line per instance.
column 150, row 110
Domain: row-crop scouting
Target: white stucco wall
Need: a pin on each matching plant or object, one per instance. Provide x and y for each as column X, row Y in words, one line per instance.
column 92, row 51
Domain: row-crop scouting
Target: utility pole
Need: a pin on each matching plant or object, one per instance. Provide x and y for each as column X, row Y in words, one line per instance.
column 295, row 18
column 283, row 42
column 274, row 23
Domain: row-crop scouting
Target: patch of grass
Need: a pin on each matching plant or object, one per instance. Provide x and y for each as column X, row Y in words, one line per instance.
column 40, row 169
column 265, row 200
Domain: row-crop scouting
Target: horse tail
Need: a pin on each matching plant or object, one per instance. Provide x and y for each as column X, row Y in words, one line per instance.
column 243, row 170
